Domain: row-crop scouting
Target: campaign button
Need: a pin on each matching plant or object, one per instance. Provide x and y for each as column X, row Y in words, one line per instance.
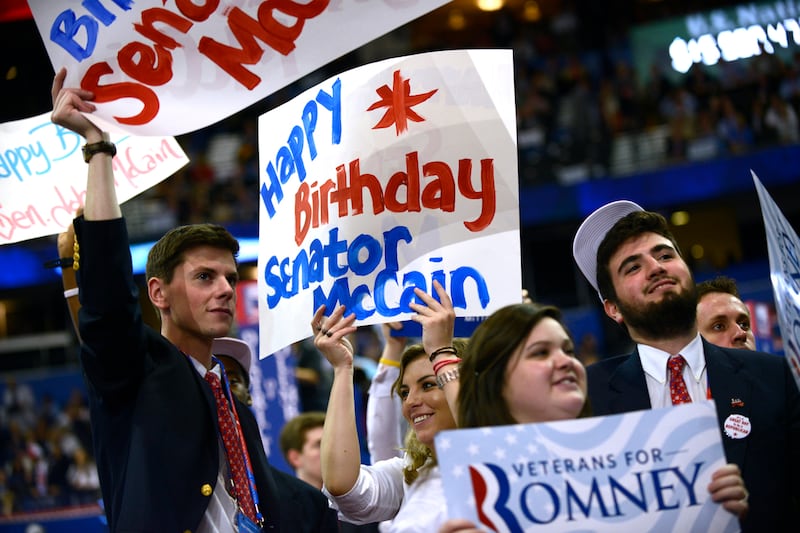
column 737, row 426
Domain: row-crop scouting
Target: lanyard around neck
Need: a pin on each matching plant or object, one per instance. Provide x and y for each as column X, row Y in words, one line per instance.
column 251, row 481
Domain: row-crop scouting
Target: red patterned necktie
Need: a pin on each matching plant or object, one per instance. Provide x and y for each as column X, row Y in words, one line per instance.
column 233, row 449
column 677, row 386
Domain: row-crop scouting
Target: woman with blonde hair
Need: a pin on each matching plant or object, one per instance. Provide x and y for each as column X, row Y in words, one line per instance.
column 404, row 492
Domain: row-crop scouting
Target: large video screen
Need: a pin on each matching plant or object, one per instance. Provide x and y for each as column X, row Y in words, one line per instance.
column 716, row 37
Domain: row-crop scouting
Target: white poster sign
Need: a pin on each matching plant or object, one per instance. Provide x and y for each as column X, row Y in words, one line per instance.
column 783, row 247
column 386, row 178
column 640, row 471
column 43, row 174
column 163, row 67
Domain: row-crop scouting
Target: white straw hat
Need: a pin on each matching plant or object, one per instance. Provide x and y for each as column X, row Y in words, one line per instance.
column 593, row 231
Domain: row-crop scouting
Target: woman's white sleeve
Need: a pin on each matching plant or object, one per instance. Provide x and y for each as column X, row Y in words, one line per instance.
column 384, row 418
column 376, row 496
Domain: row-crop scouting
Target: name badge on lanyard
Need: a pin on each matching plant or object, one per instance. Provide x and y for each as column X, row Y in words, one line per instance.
column 245, row 525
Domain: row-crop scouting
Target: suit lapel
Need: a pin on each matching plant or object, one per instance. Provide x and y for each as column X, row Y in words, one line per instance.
column 627, row 387
column 732, row 393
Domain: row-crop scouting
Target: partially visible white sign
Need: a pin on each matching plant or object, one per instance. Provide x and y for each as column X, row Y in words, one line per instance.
column 43, row 175
column 783, row 246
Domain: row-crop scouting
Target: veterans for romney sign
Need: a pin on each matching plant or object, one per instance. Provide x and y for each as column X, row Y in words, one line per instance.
column 43, row 175
column 783, row 247
column 385, row 178
column 640, row 471
column 161, row 67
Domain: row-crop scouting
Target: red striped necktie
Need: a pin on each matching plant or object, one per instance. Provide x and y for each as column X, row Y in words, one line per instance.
column 677, row 386
column 233, row 449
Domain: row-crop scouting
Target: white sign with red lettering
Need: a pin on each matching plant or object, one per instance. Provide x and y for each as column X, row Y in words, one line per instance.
column 163, row 67
column 43, row 175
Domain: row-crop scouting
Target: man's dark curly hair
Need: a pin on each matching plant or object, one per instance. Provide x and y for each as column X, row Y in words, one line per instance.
column 631, row 225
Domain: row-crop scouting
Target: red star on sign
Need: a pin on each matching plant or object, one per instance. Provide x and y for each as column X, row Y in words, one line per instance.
column 398, row 100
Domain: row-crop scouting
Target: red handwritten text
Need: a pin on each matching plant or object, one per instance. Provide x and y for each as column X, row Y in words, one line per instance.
column 149, row 65
column 403, row 193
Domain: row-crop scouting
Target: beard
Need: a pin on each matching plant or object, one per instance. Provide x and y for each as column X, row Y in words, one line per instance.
column 674, row 315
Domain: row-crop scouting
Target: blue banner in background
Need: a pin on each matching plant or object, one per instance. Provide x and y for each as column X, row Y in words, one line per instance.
column 272, row 379
column 463, row 327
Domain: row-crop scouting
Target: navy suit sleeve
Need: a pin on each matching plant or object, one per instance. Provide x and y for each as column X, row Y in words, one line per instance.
column 793, row 425
column 110, row 321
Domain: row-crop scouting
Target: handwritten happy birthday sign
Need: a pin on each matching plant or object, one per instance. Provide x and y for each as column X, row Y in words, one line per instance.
column 43, row 175
column 386, row 178
column 161, row 67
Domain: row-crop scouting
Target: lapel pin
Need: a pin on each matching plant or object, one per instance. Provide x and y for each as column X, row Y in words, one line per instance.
column 736, row 402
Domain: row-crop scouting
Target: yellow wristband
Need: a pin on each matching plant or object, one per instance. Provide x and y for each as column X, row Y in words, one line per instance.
column 389, row 362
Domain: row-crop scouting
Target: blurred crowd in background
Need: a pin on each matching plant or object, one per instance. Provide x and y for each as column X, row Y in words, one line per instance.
column 45, row 451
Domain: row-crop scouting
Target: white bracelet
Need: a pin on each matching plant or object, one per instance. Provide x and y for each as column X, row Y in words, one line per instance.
column 69, row 293
column 446, row 376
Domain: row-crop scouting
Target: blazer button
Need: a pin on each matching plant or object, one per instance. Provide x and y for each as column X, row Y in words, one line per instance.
column 206, row 490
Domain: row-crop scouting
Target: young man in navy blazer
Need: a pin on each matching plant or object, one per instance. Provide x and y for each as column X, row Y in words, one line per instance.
column 633, row 261
column 155, row 427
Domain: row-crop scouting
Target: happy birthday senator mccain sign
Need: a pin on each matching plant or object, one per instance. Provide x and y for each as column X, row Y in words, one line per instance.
column 385, row 178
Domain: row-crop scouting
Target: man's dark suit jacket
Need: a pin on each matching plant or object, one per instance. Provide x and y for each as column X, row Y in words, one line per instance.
column 757, row 385
column 154, row 420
